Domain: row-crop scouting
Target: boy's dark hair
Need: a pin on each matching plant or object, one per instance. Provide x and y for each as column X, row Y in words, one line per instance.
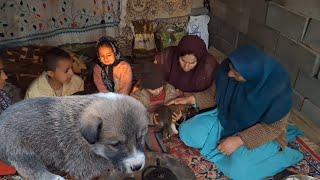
column 153, row 77
column 108, row 42
column 2, row 57
column 52, row 57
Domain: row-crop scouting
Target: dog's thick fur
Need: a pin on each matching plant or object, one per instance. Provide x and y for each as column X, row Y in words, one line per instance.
column 83, row 136
column 164, row 118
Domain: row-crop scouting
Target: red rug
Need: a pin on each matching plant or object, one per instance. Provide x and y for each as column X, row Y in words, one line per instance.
column 204, row 169
column 311, row 162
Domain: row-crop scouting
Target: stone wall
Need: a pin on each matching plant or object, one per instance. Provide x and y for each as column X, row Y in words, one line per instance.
column 288, row 30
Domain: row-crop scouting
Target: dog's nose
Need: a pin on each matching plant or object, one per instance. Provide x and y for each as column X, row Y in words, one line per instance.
column 136, row 167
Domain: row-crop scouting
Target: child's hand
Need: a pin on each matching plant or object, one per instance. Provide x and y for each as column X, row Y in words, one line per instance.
column 176, row 116
column 179, row 92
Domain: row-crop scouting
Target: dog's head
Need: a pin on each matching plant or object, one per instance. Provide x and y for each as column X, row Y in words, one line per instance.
column 164, row 114
column 115, row 126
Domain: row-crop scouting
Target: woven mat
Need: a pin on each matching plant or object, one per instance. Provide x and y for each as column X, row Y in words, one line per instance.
column 204, row 169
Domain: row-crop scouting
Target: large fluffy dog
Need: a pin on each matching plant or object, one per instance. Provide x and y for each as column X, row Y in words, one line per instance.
column 81, row 135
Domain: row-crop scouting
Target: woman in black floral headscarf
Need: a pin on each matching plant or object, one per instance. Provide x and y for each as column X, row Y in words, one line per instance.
column 5, row 100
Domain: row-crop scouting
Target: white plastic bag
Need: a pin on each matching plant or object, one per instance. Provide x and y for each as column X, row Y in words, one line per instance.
column 198, row 25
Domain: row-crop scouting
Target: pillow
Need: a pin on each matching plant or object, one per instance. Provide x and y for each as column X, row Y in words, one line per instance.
column 6, row 169
column 144, row 41
column 169, row 37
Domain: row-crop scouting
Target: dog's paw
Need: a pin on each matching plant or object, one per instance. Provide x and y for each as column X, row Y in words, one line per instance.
column 169, row 131
column 165, row 133
column 56, row 177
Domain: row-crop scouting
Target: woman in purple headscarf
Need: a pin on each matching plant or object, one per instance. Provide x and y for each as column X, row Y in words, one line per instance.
column 190, row 68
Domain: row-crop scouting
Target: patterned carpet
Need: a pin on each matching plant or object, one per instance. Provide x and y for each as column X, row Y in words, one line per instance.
column 205, row 170
column 311, row 162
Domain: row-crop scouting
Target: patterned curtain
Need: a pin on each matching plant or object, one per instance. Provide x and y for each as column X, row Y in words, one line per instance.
column 153, row 9
column 55, row 22
column 161, row 12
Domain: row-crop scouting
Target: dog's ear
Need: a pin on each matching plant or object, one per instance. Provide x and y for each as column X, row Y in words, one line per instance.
column 90, row 129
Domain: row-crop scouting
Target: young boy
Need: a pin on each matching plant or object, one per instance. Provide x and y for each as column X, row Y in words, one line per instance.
column 154, row 90
column 58, row 78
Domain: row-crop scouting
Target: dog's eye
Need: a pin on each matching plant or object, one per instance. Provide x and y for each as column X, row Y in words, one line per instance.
column 115, row 144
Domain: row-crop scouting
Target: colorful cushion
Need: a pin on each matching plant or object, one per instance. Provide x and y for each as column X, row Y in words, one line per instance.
column 144, row 41
column 6, row 170
column 170, row 37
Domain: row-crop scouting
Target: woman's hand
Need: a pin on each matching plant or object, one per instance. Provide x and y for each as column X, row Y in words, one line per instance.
column 182, row 100
column 230, row 144
column 176, row 116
